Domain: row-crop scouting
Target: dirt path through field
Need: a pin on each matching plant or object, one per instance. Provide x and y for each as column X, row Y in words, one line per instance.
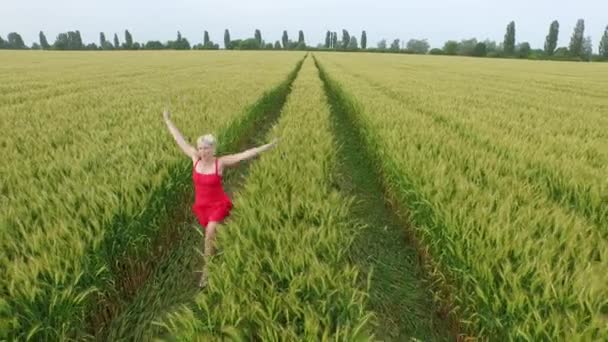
column 173, row 281
column 399, row 292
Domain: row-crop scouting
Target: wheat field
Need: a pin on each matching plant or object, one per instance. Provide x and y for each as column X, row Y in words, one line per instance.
column 497, row 169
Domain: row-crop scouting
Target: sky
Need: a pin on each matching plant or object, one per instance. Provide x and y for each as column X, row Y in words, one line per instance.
column 434, row 20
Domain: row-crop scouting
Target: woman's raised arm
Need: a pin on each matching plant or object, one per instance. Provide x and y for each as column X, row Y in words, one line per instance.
column 234, row 159
column 179, row 138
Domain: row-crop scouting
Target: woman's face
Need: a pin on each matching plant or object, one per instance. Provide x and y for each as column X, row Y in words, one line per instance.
column 206, row 151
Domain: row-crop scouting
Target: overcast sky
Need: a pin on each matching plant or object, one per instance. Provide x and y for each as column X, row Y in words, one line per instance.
column 434, row 20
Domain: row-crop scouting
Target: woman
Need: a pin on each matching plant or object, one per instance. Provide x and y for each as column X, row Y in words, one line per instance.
column 211, row 205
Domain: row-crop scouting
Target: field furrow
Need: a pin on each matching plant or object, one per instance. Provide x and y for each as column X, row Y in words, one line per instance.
column 409, row 197
column 283, row 273
column 576, row 181
column 173, row 281
column 89, row 188
column 515, row 260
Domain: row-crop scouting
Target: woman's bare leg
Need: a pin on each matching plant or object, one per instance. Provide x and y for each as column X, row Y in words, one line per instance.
column 209, row 251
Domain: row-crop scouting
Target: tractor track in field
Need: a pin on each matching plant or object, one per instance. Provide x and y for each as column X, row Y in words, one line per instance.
column 400, row 291
column 544, row 180
column 156, row 286
column 400, row 294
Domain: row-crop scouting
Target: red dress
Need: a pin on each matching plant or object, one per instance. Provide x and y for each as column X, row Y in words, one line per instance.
column 211, row 202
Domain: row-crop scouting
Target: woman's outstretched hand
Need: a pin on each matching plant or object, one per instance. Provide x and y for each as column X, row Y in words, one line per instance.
column 190, row 151
column 274, row 142
column 234, row 159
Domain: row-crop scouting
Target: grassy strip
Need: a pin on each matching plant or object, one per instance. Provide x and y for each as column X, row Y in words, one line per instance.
column 571, row 194
column 132, row 259
column 583, row 200
column 80, row 302
column 105, row 156
column 399, row 291
column 284, row 271
column 520, row 266
column 346, row 107
column 172, row 283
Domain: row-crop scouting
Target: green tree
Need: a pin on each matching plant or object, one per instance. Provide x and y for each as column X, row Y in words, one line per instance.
column 466, row 47
column 43, row 42
column 206, row 41
column 154, row 45
column 523, row 50
column 352, row 44
column 334, row 40
column 72, row 41
column 418, row 46
column 561, row 52
column 285, row 40
column 450, row 47
column 68, row 41
column 382, row 44
column 604, row 44
column 301, row 38
column 551, row 40
column 128, row 40
column 116, row 42
column 247, row 44
column 258, row 37
column 102, row 40
column 78, row 41
column 509, row 43
column 328, row 40
column 180, row 43
column 104, row 44
column 587, row 49
column 490, row 46
column 61, row 42
column 578, row 36
column 227, row 39
column 363, row 40
column 345, row 39
column 395, row 45
column 14, row 41
column 2, row 43
column 480, row 50
column 277, row 45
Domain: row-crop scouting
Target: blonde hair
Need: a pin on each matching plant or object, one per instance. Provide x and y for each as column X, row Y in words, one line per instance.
column 207, row 139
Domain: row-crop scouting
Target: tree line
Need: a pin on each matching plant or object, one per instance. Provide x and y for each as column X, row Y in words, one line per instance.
column 257, row 43
column 72, row 40
column 580, row 47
